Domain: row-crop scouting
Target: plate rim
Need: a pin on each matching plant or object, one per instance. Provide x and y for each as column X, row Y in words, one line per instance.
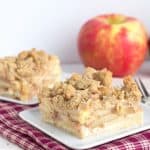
column 11, row 100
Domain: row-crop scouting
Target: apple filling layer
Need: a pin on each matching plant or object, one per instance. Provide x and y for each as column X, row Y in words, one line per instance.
column 23, row 76
column 88, row 104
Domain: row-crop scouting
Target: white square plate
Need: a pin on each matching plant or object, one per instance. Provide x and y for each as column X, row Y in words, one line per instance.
column 33, row 117
column 32, row 101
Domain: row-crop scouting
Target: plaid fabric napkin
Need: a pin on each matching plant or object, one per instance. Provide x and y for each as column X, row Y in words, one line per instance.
column 23, row 134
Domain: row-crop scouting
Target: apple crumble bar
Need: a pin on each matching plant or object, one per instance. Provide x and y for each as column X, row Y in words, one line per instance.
column 88, row 104
column 22, row 77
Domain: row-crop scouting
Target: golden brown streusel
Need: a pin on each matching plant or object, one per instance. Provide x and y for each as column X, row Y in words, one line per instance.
column 90, row 87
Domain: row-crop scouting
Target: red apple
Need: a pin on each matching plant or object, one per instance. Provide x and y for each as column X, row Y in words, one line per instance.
column 115, row 42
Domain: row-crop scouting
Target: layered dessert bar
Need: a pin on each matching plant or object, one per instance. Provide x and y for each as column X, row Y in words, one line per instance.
column 87, row 104
column 23, row 76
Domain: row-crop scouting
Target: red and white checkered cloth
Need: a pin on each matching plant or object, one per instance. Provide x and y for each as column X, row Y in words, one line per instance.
column 26, row 136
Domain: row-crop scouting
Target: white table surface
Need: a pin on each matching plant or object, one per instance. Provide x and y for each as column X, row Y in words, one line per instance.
column 144, row 71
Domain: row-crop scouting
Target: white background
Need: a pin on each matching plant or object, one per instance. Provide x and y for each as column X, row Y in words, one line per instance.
column 53, row 25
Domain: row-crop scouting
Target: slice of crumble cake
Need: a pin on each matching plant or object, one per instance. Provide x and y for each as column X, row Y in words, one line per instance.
column 22, row 77
column 87, row 104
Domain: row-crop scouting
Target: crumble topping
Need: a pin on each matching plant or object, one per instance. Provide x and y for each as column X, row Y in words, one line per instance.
column 27, row 63
column 92, row 89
